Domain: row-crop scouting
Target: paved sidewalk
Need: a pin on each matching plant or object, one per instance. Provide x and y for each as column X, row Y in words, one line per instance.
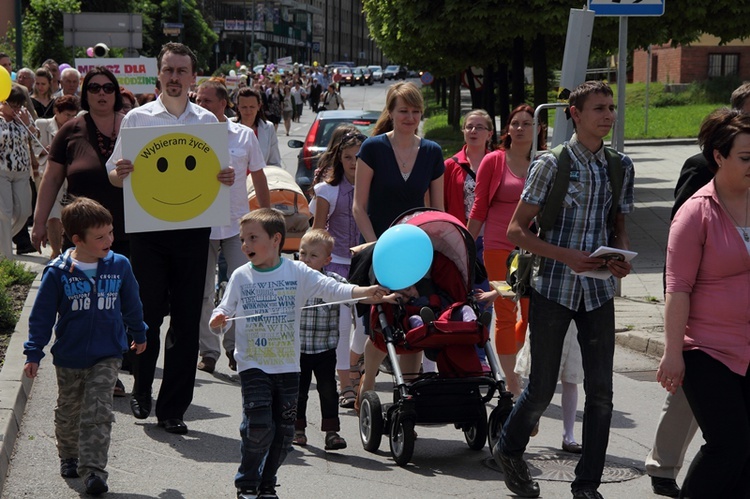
column 143, row 457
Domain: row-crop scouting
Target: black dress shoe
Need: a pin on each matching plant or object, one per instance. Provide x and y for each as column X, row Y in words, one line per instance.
column 174, row 425
column 587, row 494
column 141, row 406
column 517, row 476
column 665, row 486
column 572, row 447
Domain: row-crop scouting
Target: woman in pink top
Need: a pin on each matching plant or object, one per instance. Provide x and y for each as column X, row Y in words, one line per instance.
column 707, row 314
column 500, row 180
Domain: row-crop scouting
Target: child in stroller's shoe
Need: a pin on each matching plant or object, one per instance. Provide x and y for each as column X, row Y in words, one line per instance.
column 424, row 300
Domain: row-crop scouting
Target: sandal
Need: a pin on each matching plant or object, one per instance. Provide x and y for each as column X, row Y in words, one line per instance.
column 334, row 441
column 119, row 389
column 347, row 398
column 300, row 438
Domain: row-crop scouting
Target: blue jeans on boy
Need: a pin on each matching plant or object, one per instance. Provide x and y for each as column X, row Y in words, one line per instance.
column 549, row 322
column 269, row 410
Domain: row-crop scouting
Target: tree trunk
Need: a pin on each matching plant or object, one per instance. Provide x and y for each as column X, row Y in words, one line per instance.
column 503, row 91
column 539, row 56
column 518, row 87
column 488, row 91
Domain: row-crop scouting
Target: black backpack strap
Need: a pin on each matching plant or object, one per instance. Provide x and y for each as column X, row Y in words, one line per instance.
column 616, row 179
column 546, row 218
column 465, row 168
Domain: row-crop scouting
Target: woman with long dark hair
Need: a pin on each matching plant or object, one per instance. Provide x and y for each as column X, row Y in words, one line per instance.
column 250, row 113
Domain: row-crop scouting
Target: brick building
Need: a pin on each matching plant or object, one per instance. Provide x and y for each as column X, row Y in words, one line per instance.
column 698, row 61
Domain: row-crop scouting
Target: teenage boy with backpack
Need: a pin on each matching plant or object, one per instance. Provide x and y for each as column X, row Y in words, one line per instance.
column 582, row 225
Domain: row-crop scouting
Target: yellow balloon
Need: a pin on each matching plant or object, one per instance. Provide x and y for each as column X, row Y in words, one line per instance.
column 315, row 63
column 5, row 83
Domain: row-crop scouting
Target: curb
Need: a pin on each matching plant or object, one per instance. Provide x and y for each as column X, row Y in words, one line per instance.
column 14, row 386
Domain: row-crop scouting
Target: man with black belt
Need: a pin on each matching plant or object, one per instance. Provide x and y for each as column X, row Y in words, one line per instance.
column 170, row 265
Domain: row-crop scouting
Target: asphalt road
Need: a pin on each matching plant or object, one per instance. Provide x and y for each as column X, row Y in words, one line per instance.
column 146, row 462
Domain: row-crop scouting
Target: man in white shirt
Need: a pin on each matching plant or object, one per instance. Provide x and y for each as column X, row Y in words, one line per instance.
column 245, row 157
column 170, row 265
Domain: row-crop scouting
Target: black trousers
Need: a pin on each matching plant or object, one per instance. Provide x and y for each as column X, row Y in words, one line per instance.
column 720, row 401
column 170, row 267
column 323, row 365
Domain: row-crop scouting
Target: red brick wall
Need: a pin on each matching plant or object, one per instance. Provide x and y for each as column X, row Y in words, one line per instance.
column 686, row 64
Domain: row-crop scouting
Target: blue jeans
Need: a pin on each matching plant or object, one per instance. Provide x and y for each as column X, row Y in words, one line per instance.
column 269, row 409
column 548, row 322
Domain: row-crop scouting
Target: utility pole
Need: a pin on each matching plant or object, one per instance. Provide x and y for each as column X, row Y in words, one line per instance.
column 19, row 35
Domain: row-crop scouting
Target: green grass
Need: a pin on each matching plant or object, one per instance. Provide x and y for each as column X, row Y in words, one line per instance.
column 11, row 273
column 670, row 115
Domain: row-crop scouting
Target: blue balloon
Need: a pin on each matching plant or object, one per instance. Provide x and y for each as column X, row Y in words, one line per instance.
column 402, row 256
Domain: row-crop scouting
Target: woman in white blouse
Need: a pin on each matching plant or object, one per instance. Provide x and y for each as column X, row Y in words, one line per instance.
column 250, row 113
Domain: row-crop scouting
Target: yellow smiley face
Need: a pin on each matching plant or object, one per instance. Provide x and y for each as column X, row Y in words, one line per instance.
column 174, row 177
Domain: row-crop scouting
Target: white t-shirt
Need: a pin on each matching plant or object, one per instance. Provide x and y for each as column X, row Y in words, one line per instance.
column 245, row 156
column 271, row 342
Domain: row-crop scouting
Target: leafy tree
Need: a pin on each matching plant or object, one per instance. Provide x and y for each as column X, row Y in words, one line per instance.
column 197, row 34
column 43, row 31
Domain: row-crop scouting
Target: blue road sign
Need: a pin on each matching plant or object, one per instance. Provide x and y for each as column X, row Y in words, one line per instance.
column 426, row 78
column 627, row 7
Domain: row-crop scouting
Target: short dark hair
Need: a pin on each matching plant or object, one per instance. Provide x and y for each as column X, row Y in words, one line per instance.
column 219, row 88
column 83, row 214
column 740, row 95
column 179, row 49
column 99, row 70
column 271, row 220
column 718, row 132
column 4, row 55
column 67, row 103
column 581, row 93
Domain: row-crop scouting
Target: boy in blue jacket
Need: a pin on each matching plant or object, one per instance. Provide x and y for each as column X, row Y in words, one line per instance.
column 88, row 295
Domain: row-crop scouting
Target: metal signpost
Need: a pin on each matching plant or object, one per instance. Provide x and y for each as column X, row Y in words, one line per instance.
column 624, row 9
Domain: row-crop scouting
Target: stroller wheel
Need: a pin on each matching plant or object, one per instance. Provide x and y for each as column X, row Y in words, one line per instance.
column 476, row 433
column 370, row 421
column 402, row 441
column 497, row 419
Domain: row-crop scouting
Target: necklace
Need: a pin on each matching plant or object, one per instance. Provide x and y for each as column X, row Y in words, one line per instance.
column 403, row 164
column 106, row 151
column 743, row 229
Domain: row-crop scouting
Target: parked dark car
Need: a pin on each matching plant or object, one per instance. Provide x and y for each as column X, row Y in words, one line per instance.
column 395, row 72
column 366, row 75
column 319, row 135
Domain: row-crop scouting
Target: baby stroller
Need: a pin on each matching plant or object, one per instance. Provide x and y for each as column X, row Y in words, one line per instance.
column 459, row 392
column 288, row 198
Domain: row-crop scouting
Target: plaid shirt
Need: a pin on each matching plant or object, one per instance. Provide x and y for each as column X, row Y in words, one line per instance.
column 581, row 224
column 319, row 326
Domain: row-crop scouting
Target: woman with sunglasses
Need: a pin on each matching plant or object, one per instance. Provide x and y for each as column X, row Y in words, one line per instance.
column 500, row 180
column 78, row 154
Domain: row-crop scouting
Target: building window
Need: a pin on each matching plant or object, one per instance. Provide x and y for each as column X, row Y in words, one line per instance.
column 723, row 64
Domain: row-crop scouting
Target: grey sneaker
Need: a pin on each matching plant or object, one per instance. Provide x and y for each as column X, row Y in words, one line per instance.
column 247, row 493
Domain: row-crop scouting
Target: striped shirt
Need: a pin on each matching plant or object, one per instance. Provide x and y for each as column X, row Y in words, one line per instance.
column 319, row 326
column 582, row 222
column 155, row 114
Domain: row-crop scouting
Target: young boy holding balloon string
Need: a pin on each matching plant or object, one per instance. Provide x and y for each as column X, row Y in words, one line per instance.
column 265, row 297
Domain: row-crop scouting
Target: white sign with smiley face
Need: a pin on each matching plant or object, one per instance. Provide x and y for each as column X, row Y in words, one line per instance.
column 174, row 184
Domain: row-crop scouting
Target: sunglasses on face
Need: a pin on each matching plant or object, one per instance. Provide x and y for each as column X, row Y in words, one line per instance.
column 95, row 88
